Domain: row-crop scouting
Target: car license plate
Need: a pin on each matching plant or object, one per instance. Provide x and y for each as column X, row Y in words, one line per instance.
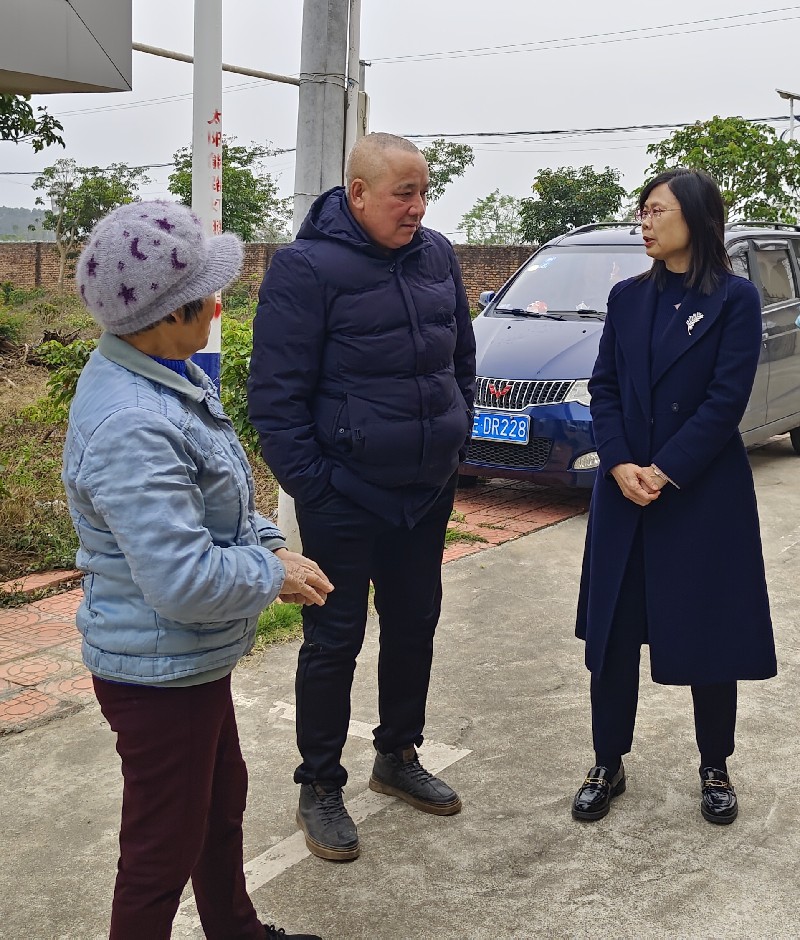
column 491, row 426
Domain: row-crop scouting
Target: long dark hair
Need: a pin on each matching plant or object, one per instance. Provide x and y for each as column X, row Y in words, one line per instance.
column 704, row 213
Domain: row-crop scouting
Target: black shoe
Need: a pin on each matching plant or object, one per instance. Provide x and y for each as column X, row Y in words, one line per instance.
column 330, row 832
column 278, row 933
column 401, row 774
column 593, row 800
column 718, row 802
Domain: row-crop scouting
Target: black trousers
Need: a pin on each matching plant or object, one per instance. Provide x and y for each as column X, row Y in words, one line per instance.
column 615, row 690
column 353, row 547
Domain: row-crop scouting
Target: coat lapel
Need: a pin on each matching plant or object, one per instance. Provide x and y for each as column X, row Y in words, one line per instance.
column 634, row 325
column 691, row 322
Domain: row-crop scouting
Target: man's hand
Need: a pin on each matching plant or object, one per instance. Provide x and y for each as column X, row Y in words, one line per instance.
column 304, row 582
column 638, row 484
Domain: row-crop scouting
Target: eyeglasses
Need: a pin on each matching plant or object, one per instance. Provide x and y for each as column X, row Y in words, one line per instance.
column 653, row 214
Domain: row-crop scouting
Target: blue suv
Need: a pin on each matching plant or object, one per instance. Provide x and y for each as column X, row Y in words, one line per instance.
column 537, row 340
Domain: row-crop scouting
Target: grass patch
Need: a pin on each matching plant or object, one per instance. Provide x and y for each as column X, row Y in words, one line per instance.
column 456, row 534
column 278, row 623
column 36, row 526
column 453, row 535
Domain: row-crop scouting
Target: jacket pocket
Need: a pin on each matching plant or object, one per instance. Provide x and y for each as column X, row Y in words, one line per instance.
column 388, row 448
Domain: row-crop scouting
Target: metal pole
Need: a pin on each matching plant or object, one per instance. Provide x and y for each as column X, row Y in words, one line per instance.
column 320, row 139
column 226, row 67
column 207, row 148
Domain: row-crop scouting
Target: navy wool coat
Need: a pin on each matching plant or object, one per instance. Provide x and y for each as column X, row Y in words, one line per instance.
column 707, row 606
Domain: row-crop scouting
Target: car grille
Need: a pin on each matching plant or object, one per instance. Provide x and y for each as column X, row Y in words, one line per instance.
column 532, row 456
column 516, row 394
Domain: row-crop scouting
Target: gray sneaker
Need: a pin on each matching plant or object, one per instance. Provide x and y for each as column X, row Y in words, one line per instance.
column 330, row 832
column 400, row 774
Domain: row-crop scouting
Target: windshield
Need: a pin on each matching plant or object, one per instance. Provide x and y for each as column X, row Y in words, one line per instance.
column 562, row 280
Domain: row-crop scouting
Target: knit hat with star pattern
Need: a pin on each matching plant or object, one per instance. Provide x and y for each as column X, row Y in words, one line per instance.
column 146, row 260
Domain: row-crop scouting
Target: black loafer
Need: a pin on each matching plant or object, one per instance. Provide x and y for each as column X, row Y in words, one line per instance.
column 718, row 802
column 593, row 800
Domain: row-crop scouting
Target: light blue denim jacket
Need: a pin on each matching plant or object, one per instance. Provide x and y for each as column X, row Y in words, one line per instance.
column 178, row 563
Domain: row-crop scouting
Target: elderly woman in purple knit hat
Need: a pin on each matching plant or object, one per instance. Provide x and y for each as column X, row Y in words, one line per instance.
column 178, row 565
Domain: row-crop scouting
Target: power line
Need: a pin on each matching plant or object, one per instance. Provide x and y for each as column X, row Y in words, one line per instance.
column 580, row 132
column 144, row 166
column 569, row 132
column 592, row 39
column 149, row 101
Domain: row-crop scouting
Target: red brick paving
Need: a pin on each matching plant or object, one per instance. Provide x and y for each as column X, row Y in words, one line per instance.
column 501, row 510
column 38, row 582
column 41, row 675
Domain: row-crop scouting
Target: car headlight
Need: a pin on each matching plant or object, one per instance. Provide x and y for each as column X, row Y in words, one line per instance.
column 580, row 393
column 588, row 461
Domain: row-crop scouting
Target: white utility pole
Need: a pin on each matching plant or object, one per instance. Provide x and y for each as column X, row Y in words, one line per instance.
column 207, row 148
column 320, row 134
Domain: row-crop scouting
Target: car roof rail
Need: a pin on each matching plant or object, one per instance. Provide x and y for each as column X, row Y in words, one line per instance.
column 592, row 226
column 761, row 223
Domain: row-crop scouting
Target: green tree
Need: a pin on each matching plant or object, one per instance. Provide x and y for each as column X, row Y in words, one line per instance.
column 21, row 124
column 757, row 173
column 568, row 197
column 78, row 197
column 250, row 204
column 446, row 161
column 493, row 220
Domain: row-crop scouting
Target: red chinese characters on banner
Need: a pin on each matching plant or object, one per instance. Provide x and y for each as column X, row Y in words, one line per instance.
column 215, row 138
column 216, row 227
column 216, row 184
column 216, row 119
column 215, row 161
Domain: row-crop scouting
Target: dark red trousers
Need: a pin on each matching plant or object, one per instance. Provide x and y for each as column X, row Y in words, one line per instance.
column 184, row 795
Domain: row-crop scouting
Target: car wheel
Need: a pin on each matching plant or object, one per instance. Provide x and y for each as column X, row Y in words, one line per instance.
column 467, row 483
column 793, row 434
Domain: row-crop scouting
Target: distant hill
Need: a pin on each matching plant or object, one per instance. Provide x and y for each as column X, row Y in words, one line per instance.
column 14, row 225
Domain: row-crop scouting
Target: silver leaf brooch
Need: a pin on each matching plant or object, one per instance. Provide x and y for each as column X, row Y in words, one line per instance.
column 692, row 321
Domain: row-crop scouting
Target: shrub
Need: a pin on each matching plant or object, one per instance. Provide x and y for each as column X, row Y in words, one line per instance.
column 237, row 345
column 66, row 363
column 12, row 326
column 19, row 296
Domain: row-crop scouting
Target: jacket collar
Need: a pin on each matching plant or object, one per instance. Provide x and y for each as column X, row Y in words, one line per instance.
column 330, row 218
column 697, row 314
column 194, row 386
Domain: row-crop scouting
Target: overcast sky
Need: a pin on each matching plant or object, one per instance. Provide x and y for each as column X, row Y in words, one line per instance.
column 443, row 67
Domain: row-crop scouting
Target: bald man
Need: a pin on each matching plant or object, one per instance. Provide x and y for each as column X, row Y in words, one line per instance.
column 361, row 388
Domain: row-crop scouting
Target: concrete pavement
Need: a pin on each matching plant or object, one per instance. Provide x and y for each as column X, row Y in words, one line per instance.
column 509, row 719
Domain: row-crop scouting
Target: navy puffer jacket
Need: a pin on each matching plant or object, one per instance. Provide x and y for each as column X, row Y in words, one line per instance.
column 363, row 369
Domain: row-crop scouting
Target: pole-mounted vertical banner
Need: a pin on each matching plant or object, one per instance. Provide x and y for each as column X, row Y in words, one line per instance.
column 207, row 149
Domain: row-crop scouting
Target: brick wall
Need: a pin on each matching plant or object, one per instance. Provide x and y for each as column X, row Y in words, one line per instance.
column 29, row 264
column 484, row 267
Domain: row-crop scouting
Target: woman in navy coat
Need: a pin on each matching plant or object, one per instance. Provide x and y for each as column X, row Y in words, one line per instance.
column 673, row 551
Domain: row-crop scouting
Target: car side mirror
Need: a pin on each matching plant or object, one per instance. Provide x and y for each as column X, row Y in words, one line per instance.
column 485, row 298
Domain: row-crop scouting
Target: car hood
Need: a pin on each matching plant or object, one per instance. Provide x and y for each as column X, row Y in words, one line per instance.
column 524, row 348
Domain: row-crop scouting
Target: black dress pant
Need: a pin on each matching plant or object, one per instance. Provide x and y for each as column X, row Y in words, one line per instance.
column 353, row 547
column 615, row 689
